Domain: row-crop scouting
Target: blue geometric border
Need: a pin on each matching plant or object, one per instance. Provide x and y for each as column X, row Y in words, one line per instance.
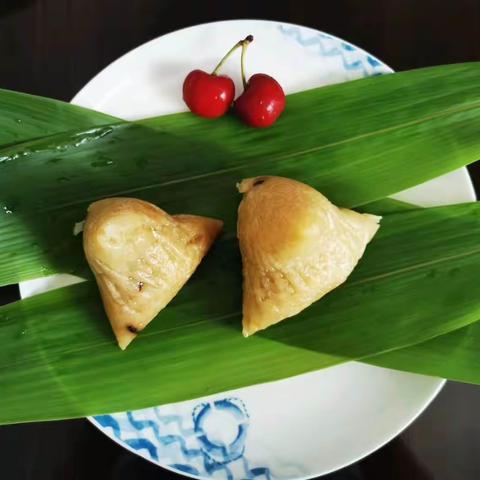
column 354, row 59
column 190, row 447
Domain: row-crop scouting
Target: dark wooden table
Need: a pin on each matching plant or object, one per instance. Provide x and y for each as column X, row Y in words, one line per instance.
column 52, row 47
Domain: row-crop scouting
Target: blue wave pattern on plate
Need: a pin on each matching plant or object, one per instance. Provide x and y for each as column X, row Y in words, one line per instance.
column 356, row 62
column 208, row 444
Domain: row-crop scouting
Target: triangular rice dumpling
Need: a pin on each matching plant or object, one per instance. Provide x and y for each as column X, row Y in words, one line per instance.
column 141, row 258
column 296, row 247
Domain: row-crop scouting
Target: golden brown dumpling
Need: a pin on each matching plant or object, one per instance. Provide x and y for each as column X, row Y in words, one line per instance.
column 141, row 257
column 296, row 246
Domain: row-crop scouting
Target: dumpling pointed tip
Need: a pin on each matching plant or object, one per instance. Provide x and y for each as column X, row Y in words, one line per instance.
column 371, row 225
column 248, row 331
column 209, row 228
column 248, row 184
column 216, row 226
column 125, row 340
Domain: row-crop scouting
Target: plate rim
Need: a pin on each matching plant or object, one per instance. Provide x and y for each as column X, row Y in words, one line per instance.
column 369, row 452
column 82, row 95
column 78, row 96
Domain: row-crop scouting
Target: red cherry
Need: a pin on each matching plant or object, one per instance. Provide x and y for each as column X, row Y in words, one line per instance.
column 207, row 94
column 262, row 101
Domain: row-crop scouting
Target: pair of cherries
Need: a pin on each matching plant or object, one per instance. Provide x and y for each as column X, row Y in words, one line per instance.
column 210, row 95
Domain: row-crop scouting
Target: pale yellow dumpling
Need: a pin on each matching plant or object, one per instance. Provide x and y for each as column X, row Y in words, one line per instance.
column 296, row 247
column 141, row 257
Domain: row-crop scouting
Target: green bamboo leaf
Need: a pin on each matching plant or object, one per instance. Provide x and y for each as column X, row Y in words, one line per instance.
column 25, row 117
column 59, row 358
column 355, row 142
column 387, row 206
column 454, row 356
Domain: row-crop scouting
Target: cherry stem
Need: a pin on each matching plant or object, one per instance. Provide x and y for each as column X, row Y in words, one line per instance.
column 242, row 62
column 241, row 43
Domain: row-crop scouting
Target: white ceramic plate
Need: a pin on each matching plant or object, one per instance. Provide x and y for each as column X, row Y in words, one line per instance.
column 296, row 428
